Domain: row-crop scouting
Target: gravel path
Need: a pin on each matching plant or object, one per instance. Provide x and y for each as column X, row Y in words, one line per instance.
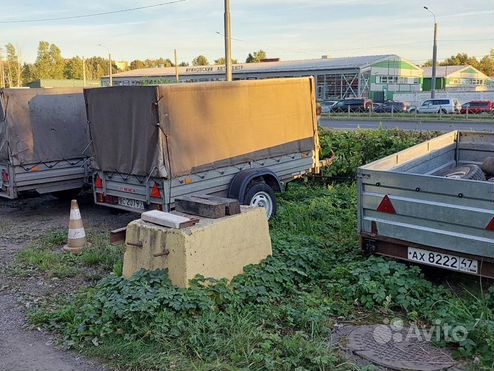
column 22, row 221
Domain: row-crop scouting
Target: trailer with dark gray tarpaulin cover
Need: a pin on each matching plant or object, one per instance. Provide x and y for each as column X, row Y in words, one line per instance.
column 44, row 142
column 410, row 211
column 241, row 139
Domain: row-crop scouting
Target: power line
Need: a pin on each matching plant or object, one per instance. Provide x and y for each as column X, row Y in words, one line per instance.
column 90, row 15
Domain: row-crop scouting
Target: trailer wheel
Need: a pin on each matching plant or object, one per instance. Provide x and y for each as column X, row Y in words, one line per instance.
column 468, row 171
column 261, row 195
column 68, row 194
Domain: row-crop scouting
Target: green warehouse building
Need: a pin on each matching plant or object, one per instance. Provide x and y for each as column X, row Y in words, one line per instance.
column 465, row 78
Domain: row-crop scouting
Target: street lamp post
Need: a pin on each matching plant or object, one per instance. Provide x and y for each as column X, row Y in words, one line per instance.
column 434, row 56
column 228, row 42
column 110, row 77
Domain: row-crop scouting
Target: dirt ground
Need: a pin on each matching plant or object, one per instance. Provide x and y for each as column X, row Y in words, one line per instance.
column 21, row 222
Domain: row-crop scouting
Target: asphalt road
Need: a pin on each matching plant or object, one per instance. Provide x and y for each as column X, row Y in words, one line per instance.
column 443, row 126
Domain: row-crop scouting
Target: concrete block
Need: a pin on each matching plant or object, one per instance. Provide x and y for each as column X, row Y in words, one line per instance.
column 216, row 248
column 168, row 219
column 207, row 206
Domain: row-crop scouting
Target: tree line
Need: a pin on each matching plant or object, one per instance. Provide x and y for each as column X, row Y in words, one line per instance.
column 50, row 64
column 484, row 64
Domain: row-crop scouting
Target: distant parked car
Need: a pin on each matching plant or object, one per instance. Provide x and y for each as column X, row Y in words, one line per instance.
column 391, row 106
column 353, row 104
column 442, row 105
column 327, row 105
column 477, row 107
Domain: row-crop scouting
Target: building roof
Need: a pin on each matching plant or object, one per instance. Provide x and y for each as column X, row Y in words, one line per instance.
column 61, row 83
column 280, row 66
column 446, row 71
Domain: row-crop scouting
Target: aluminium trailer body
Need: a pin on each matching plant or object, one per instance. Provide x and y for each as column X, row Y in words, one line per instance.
column 44, row 141
column 408, row 212
column 241, row 139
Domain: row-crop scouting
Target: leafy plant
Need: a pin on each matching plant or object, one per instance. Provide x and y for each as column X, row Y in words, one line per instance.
column 359, row 147
column 279, row 314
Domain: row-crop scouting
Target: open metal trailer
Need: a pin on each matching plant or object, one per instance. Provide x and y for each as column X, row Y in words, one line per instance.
column 408, row 211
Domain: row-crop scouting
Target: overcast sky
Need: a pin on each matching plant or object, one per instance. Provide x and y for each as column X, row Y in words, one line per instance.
column 289, row 29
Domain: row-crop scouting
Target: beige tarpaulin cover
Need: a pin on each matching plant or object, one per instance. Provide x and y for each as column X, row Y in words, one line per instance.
column 42, row 125
column 178, row 129
column 207, row 123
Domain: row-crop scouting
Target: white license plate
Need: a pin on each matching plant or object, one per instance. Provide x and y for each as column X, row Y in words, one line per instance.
column 128, row 202
column 447, row 261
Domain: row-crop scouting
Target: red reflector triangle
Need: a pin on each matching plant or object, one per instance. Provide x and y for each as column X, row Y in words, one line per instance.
column 98, row 183
column 490, row 226
column 386, row 206
column 155, row 192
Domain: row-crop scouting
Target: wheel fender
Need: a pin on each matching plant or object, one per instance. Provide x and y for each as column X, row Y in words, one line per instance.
column 239, row 183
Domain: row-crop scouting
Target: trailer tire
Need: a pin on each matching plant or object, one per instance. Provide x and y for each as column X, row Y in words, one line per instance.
column 488, row 166
column 262, row 195
column 68, row 194
column 468, row 171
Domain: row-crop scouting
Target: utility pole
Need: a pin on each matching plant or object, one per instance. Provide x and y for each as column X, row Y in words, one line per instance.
column 434, row 56
column 110, row 77
column 83, row 72
column 176, row 65
column 228, row 42
column 110, row 69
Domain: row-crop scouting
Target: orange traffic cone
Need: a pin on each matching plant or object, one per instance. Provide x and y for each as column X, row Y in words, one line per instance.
column 77, row 236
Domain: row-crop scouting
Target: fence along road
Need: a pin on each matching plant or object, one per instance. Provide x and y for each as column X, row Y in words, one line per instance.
column 443, row 126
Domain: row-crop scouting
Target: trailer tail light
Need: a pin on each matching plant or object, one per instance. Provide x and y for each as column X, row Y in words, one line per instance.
column 386, row 206
column 490, row 226
column 98, row 183
column 155, row 191
column 5, row 176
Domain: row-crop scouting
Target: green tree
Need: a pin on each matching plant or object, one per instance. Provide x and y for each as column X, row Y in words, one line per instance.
column 73, row 68
column 97, row 67
column 200, row 60
column 256, row 57
column 58, row 62
column 137, row 64
column 221, row 60
column 28, row 73
column 12, row 67
column 49, row 62
column 183, row 64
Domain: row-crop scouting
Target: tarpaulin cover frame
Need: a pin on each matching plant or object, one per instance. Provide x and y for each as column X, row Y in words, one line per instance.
column 42, row 125
column 178, row 129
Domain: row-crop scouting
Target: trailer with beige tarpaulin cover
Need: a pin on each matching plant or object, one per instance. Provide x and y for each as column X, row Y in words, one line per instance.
column 242, row 139
column 430, row 204
column 44, row 142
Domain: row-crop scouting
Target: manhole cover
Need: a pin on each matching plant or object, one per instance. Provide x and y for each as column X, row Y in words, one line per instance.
column 398, row 349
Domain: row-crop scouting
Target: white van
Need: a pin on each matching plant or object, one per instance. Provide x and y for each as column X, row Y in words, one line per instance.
column 441, row 105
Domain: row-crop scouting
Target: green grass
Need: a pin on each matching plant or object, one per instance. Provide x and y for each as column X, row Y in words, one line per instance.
column 280, row 313
column 46, row 256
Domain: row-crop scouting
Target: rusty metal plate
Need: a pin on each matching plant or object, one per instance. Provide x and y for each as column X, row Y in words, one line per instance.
column 397, row 349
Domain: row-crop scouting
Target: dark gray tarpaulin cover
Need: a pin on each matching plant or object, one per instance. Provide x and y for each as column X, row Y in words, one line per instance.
column 179, row 129
column 42, row 125
column 123, row 123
